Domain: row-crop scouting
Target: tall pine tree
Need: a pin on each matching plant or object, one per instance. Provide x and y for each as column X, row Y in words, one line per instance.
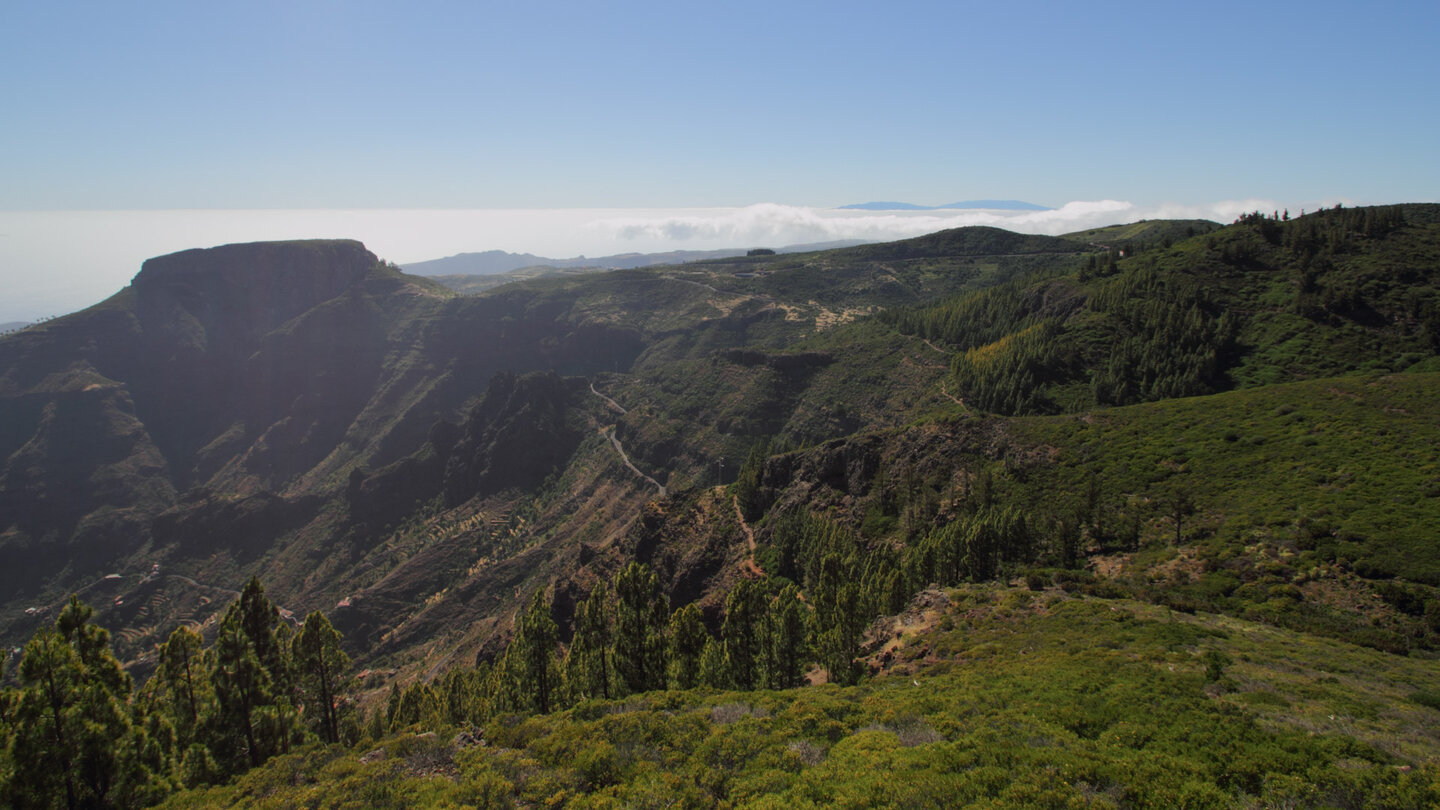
column 743, row 634
column 321, row 666
column 255, row 719
column 789, row 643
column 590, row 661
column 183, row 675
column 641, row 615
column 687, row 645
column 532, row 657
column 74, row 741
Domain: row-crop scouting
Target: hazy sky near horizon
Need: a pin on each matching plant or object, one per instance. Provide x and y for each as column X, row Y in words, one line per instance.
column 56, row 262
column 352, row 106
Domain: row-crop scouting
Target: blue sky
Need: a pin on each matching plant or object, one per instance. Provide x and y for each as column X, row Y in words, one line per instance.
column 587, row 127
column 337, row 104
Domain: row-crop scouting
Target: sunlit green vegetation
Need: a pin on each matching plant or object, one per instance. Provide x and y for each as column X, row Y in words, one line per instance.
column 1267, row 300
column 993, row 698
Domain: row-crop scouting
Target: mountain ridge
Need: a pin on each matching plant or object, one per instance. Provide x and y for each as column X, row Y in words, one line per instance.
column 491, row 262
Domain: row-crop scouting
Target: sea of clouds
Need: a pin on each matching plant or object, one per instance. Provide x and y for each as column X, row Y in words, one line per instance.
column 774, row 225
column 54, row 262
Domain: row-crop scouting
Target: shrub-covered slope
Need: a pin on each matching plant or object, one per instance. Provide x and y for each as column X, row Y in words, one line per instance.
column 989, row 697
column 1308, row 505
column 1262, row 301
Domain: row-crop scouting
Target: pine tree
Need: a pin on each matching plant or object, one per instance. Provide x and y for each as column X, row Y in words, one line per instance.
column 741, row 634
column 590, row 661
column 641, row 615
column 838, row 619
column 392, row 705
column 419, row 705
column 687, row 645
column 47, row 723
column 182, row 672
column 74, row 740
column 533, row 653
column 1180, row 505
column 1068, row 541
column 376, row 724
column 747, row 482
column 242, row 688
column 255, row 716
column 460, row 692
column 789, row 642
column 261, row 622
column 321, row 666
column 713, row 670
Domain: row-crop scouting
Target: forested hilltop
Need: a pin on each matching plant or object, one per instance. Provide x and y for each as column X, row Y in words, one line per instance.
column 1137, row 517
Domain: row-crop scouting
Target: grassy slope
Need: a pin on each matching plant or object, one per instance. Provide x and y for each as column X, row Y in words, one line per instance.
column 1146, row 231
column 995, row 698
column 1314, row 503
column 1342, row 468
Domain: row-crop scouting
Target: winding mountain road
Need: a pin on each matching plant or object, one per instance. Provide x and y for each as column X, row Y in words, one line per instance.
column 609, row 433
column 612, row 403
column 285, row 613
column 943, row 391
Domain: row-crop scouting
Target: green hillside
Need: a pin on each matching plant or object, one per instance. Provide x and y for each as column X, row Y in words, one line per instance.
column 1125, row 518
column 1339, row 470
column 1142, row 234
column 990, row 697
column 1260, row 302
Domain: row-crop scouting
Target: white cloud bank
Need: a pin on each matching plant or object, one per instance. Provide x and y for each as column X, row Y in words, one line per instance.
column 774, row 225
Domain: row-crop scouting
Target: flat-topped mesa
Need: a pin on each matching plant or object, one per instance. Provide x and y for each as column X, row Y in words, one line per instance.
column 269, row 282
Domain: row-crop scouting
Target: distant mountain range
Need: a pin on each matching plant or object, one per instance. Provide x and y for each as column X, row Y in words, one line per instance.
column 994, row 205
column 492, row 262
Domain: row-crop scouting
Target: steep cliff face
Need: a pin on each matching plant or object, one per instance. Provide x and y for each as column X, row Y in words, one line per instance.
column 237, row 368
column 257, row 352
column 238, row 408
column 238, row 293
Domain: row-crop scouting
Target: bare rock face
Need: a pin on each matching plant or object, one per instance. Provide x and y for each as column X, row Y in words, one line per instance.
column 239, row 293
column 276, row 407
column 220, row 362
